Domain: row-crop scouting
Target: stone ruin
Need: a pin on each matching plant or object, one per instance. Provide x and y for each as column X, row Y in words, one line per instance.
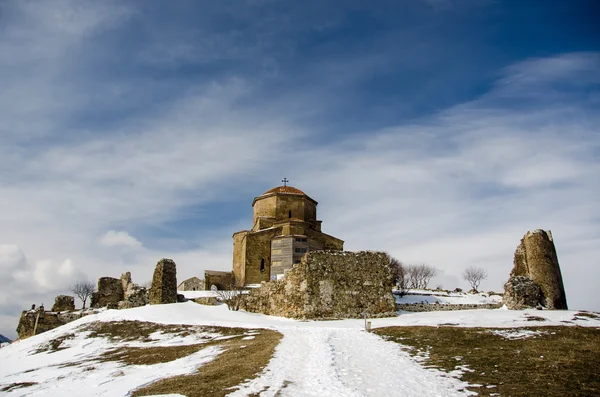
column 109, row 293
column 133, row 294
column 535, row 280
column 164, row 283
column 329, row 285
column 112, row 293
column 63, row 303
column 36, row 321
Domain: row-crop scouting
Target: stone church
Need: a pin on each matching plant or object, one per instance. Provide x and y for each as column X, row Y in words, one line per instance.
column 284, row 229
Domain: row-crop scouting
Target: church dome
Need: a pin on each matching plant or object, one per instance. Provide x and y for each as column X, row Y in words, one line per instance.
column 284, row 189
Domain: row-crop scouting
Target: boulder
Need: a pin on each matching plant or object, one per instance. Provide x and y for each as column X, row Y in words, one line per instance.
column 536, row 259
column 521, row 292
column 63, row 303
column 164, row 283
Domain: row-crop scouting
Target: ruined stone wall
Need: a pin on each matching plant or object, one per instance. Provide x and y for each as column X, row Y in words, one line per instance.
column 432, row 307
column 63, row 303
column 46, row 321
column 329, row 285
column 191, row 284
column 536, row 258
column 109, row 293
column 222, row 280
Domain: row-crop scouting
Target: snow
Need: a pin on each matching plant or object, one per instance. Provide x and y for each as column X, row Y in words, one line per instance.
column 427, row 296
column 314, row 358
column 517, row 333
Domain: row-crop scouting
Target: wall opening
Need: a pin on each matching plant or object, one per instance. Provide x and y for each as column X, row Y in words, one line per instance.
column 289, row 213
column 262, row 265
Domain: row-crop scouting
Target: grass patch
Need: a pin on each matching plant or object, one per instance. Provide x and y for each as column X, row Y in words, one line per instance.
column 217, row 378
column 152, row 355
column 17, row 385
column 54, row 345
column 587, row 314
column 141, row 330
column 559, row 361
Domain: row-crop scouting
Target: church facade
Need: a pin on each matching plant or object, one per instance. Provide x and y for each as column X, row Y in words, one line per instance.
column 284, row 229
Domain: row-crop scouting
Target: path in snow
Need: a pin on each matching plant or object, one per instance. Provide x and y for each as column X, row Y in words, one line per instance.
column 346, row 362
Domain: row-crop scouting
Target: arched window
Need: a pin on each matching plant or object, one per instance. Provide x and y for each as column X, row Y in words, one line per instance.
column 262, row 265
column 290, row 214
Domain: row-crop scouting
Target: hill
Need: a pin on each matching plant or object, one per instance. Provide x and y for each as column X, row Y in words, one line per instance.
column 4, row 339
column 191, row 349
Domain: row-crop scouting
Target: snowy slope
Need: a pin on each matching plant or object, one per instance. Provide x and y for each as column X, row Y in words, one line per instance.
column 464, row 298
column 326, row 358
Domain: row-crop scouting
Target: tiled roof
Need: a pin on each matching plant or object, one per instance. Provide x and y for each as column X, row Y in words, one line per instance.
column 285, row 189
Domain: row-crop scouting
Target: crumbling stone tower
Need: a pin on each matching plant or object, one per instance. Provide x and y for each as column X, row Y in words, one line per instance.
column 536, row 259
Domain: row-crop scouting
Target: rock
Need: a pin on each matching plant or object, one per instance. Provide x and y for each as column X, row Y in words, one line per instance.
column 536, row 258
column 207, row 300
column 327, row 285
column 521, row 292
column 63, row 303
column 164, row 283
column 181, row 298
column 134, row 296
column 109, row 294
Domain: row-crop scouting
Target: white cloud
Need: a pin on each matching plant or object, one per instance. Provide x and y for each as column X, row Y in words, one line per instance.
column 114, row 238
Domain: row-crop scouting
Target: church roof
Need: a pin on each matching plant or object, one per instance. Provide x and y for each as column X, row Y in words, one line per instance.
column 285, row 189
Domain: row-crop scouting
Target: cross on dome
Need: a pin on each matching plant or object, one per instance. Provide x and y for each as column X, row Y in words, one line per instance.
column 285, row 181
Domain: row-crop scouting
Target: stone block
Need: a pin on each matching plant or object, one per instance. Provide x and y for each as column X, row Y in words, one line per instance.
column 521, row 292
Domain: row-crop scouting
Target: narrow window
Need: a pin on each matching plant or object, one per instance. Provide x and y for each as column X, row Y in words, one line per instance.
column 262, row 265
column 289, row 213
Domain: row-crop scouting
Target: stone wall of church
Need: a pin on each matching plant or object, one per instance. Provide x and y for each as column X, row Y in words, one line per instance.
column 329, row 285
column 258, row 253
column 239, row 258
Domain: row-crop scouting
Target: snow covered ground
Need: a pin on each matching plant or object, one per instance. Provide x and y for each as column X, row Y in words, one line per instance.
column 314, row 358
column 428, row 296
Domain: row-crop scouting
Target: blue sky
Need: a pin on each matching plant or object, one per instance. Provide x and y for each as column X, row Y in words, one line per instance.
column 437, row 130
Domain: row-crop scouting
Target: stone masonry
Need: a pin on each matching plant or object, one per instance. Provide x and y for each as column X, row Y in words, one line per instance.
column 164, row 283
column 46, row 320
column 433, row 307
column 133, row 294
column 109, row 294
column 521, row 292
column 329, row 285
column 536, row 259
column 63, row 303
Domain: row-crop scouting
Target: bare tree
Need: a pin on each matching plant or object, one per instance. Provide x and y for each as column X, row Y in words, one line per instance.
column 474, row 275
column 232, row 296
column 419, row 276
column 83, row 290
column 429, row 272
column 399, row 275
